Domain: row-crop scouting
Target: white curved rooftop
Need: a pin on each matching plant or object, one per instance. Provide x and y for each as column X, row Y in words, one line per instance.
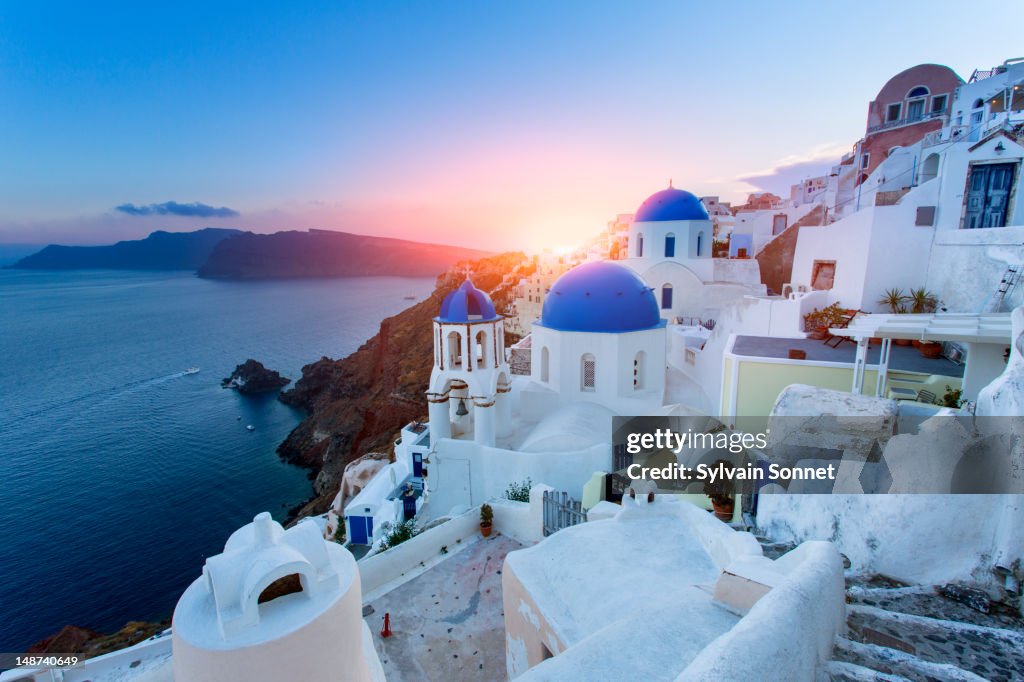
column 220, row 610
column 575, row 426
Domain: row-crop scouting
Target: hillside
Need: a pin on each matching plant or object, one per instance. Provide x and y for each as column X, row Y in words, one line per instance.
column 159, row 251
column 321, row 253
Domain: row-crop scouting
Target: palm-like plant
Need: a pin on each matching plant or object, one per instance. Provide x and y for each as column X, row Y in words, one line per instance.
column 922, row 301
column 894, row 299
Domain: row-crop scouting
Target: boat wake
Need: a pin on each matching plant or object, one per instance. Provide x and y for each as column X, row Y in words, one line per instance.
column 104, row 394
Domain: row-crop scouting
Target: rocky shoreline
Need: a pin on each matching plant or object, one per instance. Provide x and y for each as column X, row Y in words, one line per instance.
column 252, row 377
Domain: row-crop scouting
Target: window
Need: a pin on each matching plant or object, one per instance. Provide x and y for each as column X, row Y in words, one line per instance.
column 454, row 349
column 865, row 160
column 915, row 109
column 779, row 221
column 666, row 297
column 588, row 373
column 892, row 113
column 700, row 244
column 545, row 365
column 670, row 245
column 919, row 91
column 978, row 104
column 938, row 103
column 638, row 371
column 823, row 274
column 639, row 244
column 480, row 350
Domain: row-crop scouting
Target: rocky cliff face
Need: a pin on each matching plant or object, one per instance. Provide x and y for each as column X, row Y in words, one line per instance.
column 359, row 404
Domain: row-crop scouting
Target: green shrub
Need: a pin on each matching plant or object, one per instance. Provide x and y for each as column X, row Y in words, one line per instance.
column 397, row 533
column 519, row 492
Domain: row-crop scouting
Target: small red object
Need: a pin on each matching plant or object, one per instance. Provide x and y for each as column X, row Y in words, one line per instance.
column 386, row 631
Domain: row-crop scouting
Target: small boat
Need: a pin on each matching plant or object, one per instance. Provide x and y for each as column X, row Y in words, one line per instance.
column 191, row 370
column 250, row 427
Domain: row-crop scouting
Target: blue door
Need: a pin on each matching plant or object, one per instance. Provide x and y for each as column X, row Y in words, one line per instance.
column 417, row 465
column 409, row 506
column 360, row 527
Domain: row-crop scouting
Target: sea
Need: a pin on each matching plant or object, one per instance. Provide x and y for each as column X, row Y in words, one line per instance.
column 119, row 473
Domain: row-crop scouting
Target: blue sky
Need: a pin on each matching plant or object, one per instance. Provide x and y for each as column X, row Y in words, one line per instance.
column 487, row 124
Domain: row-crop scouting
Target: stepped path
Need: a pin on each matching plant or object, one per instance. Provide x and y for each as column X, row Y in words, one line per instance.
column 899, row 633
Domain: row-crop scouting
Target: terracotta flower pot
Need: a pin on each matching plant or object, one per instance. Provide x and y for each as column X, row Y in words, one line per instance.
column 931, row 350
column 723, row 510
column 797, row 354
column 485, row 529
column 901, row 342
column 818, row 333
column 915, row 343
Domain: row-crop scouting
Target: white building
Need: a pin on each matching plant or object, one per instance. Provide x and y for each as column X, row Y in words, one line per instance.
column 670, row 243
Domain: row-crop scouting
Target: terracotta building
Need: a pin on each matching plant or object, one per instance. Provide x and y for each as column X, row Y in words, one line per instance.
column 911, row 104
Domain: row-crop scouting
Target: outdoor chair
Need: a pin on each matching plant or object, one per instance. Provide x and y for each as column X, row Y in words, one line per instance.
column 833, row 341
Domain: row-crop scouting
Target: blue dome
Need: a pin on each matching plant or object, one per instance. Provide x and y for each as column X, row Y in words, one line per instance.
column 600, row 297
column 671, row 204
column 467, row 304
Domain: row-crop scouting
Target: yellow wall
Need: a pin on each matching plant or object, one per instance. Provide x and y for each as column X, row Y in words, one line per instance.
column 761, row 382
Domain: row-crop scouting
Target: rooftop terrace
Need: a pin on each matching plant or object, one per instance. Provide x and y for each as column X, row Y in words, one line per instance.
column 901, row 358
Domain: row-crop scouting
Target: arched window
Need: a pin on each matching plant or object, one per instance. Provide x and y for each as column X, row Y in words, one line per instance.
column 930, row 168
column 454, row 349
column 700, row 244
column 639, row 244
column 978, row 104
column 289, row 584
column 919, row 91
column 670, row 245
column 480, row 348
column 638, row 371
column 588, row 372
column 545, row 365
column 666, row 297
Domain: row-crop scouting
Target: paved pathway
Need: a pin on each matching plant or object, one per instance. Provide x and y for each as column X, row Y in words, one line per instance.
column 448, row 623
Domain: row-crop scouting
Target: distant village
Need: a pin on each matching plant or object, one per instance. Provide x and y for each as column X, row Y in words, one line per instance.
column 871, row 322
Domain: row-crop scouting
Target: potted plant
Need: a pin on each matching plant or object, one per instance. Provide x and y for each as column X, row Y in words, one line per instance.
column 953, row 397
column 930, row 349
column 486, row 519
column 815, row 323
column 894, row 299
column 922, row 301
column 723, row 502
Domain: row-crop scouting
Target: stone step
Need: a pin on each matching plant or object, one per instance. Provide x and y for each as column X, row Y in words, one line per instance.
column 993, row 653
column 843, row 671
column 927, row 601
column 901, row 664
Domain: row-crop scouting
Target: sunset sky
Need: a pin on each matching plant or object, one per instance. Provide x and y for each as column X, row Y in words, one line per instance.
column 494, row 125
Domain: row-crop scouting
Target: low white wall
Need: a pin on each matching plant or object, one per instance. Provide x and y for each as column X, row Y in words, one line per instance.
column 925, row 539
column 791, row 629
column 382, row 572
column 515, row 520
column 391, row 566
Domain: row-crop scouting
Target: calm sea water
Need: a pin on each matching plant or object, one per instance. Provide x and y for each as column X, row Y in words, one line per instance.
column 119, row 474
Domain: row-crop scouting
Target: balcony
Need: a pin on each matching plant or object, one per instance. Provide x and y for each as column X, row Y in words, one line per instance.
column 899, row 123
